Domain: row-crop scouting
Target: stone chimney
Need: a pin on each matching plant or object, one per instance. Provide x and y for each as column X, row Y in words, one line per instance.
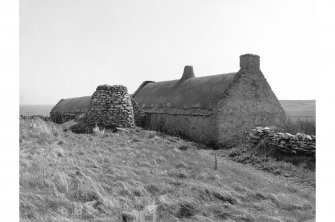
column 188, row 73
column 249, row 62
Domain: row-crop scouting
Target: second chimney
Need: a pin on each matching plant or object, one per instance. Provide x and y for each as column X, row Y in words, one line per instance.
column 188, row 73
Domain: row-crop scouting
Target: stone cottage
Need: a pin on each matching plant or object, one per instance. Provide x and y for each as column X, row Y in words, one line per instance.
column 215, row 109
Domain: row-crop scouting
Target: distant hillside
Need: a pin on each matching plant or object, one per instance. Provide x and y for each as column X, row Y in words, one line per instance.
column 300, row 109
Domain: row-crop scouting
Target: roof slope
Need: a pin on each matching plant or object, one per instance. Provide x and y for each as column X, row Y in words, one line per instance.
column 193, row 93
column 73, row 105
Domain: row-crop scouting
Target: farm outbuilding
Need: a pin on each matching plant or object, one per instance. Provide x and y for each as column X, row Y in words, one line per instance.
column 217, row 109
column 67, row 109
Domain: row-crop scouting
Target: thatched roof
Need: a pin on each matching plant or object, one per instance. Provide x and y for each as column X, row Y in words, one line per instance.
column 184, row 96
column 73, row 105
column 140, row 87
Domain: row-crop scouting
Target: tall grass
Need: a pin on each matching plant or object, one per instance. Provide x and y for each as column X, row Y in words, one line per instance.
column 266, row 157
column 139, row 175
column 39, row 129
column 300, row 126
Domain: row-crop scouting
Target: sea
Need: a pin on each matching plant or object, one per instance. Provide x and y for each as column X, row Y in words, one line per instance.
column 29, row 110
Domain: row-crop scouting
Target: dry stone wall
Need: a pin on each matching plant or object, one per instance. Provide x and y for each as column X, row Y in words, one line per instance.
column 60, row 118
column 285, row 142
column 110, row 107
column 33, row 117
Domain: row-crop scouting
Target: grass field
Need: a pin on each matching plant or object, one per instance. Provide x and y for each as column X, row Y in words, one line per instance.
column 300, row 109
column 142, row 175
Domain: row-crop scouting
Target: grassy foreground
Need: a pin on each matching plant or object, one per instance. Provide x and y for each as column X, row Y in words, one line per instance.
column 145, row 176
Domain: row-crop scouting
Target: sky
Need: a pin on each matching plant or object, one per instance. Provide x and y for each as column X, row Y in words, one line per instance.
column 69, row 47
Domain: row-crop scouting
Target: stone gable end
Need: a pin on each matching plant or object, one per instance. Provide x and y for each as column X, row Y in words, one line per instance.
column 249, row 103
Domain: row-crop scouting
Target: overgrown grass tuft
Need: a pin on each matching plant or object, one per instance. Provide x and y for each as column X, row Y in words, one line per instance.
column 300, row 126
column 266, row 157
column 39, row 129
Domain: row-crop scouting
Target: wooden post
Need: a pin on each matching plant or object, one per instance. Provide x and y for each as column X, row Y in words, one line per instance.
column 215, row 162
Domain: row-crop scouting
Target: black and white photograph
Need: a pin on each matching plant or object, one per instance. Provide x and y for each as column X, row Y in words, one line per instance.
column 167, row 110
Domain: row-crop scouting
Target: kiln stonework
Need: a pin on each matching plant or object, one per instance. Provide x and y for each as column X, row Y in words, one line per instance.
column 218, row 109
column 110, row 107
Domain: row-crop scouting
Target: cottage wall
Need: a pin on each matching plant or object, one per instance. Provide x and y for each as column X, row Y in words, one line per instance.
column 199, row 128
column 139, row 114
column 249, row 103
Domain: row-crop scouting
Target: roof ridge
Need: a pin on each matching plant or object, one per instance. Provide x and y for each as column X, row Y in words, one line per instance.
column 141, row 86
column 202, row 92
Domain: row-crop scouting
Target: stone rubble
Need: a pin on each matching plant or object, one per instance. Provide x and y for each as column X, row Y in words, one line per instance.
column 110, row 107
column 293, row 144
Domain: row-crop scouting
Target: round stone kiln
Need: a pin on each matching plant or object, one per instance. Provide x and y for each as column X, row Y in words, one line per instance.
column 110, row 107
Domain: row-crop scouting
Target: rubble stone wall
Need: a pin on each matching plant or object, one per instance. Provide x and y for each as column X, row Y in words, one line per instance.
column 249, row 103
column 285, row 142
column 33, row 117
column 60, row 118
column 194, row 127
column 111, row 107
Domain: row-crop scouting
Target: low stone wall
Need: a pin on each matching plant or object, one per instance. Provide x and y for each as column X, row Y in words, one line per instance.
column 285, row 142
column 110, row 107
column 58, row 117
column 44, row 118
